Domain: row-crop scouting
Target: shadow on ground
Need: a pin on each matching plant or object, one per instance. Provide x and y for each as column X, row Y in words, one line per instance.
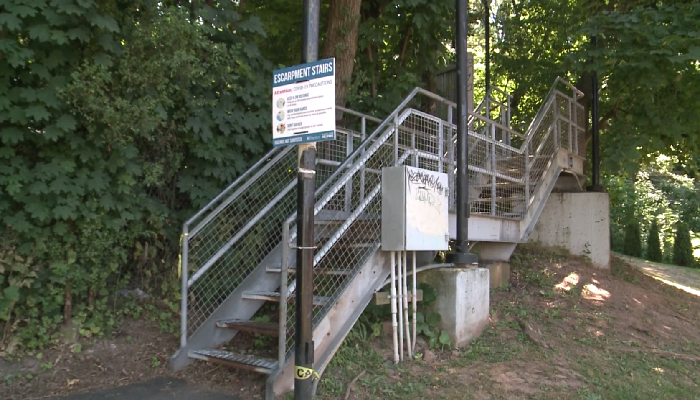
column 161, row 388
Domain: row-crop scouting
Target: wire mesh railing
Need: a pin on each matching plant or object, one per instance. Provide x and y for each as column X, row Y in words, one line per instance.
column 228, row 238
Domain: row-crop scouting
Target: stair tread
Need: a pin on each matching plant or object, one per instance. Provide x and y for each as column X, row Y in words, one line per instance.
column 274, row 296
column 267, row 328
column 321, row 271
column 259, row 364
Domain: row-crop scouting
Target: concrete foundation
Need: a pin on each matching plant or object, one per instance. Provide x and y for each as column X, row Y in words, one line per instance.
column 462, row 301
column 494, row 251
column 499, row 274
column 577, row 222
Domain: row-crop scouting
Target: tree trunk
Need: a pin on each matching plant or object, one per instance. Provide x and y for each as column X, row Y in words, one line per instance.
column 341, row 43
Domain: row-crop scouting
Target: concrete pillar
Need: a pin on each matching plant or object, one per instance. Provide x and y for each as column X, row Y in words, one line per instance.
column 462, row 301
column 499, row 274
column 579, row 223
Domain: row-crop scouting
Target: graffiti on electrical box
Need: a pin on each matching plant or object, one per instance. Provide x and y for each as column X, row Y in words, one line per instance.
column 427, row 188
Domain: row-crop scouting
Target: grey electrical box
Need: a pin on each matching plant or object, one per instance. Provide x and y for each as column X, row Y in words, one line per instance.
column 415, row 209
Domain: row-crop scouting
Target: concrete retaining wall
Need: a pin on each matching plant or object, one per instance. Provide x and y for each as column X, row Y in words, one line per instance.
column 578, row 222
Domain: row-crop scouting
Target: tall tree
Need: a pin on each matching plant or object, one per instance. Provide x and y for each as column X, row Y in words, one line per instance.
column 341, row 42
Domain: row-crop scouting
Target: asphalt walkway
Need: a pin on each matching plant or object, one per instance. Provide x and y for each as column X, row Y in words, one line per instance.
column 156, row 389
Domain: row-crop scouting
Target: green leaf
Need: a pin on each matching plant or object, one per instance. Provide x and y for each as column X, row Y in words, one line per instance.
column 66, row 122
column 40, row 32
column 11, row 135
column 38, row 211
column 11, row 293
column 433, row 318
column 10, row 21
column 104, row 22
column 445, row 338
column 37, row 112
column 21, row 10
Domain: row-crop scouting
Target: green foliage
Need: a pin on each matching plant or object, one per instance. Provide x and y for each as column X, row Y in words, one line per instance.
column 682, row 248
column 653, row 243
column 661, row 191
column 633, row 239
column 116, row 121
column 427, row 320
column 647, row 58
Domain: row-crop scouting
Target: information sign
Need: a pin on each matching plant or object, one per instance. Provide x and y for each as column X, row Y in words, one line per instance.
column 303, row 103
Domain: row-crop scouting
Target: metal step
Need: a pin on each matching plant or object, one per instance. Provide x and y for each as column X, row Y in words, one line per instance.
column 275, row 296
column 320, row 271
column 263, row 328
column 256, row 364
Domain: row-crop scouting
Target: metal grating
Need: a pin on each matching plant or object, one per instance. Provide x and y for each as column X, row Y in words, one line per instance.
column 258, row 364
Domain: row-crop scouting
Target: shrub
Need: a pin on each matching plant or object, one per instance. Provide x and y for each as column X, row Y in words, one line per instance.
column 633, row 240
column 682, row 248
column 653, row 243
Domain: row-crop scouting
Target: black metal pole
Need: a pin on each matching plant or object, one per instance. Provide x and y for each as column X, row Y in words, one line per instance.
column 487, row 45
column 303, row 341
column 595, row 179
column 461, row 255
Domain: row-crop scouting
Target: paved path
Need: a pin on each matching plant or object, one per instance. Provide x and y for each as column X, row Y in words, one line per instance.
column 687, row 279
column 156, row 389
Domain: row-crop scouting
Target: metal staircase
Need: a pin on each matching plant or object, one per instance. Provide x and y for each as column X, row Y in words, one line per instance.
column 238, row 251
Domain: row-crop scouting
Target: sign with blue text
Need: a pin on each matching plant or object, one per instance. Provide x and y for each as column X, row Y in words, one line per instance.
column 303, row 103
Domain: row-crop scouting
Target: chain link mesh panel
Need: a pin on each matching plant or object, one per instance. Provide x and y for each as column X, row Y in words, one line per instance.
column 230, row 243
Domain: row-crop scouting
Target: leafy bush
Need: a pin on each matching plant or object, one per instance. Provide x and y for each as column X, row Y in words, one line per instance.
column 116, row 121
column 653, row 243
column 682, row 248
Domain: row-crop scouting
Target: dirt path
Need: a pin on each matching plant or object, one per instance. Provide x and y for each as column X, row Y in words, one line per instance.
column 687, row 279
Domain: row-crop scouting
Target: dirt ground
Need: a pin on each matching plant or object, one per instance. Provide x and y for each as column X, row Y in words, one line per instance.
column 563, row 328
column 136, row 353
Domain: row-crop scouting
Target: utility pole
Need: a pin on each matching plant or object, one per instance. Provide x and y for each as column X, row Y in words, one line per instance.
column 461, row 256
column 487, row 45
column 303, row 341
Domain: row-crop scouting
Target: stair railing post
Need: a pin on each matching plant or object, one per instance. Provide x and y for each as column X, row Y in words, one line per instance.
column 450, row 156
column 348, row 185
column 571, row 124
column 556, row 122
column 493, row 169
column 284, row 269
column 183, row 286
column 441, row 145
column 396, row 139
column 527, row 176
column 363, row 132
column 303, row 344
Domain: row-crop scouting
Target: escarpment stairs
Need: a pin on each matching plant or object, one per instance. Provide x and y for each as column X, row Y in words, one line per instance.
column 238, row 258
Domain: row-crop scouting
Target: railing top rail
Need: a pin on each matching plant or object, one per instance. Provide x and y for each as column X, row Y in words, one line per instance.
column 358, row 114
column 569, row 85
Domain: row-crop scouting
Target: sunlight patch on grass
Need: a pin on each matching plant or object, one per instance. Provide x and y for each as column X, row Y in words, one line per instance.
column 684, row 288
column 593, row 292
column 568, row 282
